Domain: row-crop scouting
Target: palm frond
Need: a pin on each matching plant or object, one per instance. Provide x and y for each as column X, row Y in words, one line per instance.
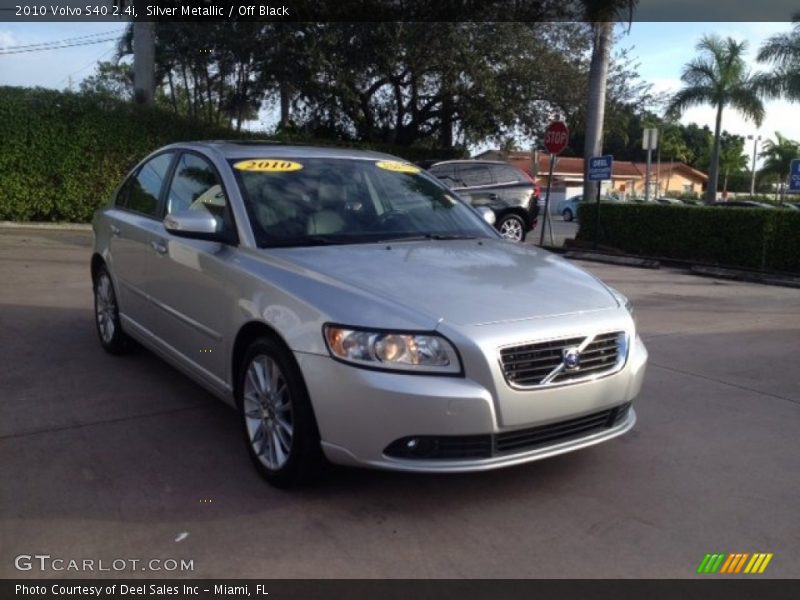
column 746, row 100
column 688, row 97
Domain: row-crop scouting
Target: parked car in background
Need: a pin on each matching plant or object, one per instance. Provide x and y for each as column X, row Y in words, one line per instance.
column 351, row 307
column 568, row 208
column 673, row 201
column 742, row 204
column 510, row 192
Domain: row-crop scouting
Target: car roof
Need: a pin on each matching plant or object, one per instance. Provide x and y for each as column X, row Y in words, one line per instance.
column 233, row 149
column 471, row 161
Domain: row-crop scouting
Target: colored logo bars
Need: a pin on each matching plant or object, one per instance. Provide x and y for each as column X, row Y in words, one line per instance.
column 741, row 562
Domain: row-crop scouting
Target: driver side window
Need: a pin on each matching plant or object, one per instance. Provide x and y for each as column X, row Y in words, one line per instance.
column 197, row 186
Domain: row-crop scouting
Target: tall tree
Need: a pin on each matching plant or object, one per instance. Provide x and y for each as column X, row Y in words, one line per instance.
column 782, row 51
column 778, row 155
column 601, row 14
column 718, row 77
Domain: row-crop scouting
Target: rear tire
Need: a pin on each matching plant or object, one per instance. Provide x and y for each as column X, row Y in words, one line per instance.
column 106, row 315
column 567, row 215
column 512, row 227
column 278, row 423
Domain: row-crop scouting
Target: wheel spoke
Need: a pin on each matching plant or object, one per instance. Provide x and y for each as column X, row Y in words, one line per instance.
column 281, row 453
column 286, row 430
column 261, row 375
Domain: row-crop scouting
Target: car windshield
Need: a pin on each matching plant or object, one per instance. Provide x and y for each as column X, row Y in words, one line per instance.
column 314, row 201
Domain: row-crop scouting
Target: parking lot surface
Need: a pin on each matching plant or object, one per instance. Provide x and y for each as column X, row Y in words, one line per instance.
column 108, row 458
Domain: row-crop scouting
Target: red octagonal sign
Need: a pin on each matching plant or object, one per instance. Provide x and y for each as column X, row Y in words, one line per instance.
column 556, row 137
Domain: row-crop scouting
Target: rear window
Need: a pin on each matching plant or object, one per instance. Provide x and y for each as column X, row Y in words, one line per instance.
column 508, row 174
column 473, row 175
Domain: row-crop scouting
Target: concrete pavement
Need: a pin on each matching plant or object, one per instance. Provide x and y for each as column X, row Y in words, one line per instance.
column 108, row 458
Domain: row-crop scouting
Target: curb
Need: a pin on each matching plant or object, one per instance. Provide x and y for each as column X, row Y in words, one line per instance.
column 748, row 276
column 45, row 226
column 628, row 261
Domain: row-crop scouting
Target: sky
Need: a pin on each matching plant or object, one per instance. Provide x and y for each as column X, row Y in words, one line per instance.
column 661, row 49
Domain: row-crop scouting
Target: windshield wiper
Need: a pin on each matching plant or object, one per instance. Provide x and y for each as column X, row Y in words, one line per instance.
column 311, row 240
column 428, row 236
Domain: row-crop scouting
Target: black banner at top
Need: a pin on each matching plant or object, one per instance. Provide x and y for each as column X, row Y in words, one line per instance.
column 396, row 10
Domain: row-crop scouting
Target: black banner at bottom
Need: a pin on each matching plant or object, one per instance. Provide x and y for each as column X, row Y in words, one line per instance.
column 358, row 589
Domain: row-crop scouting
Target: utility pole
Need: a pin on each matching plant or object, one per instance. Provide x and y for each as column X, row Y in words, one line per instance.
column 144, row 53
column 753, row 169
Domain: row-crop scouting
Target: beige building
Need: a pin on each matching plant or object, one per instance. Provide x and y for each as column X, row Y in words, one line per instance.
column 628, row 178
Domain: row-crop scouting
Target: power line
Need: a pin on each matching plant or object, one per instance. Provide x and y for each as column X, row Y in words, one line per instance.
column 86, row 66
column 88, row 43
column 43, row 45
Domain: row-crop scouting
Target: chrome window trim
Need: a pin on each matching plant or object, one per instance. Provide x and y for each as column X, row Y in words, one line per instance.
column 622, row 360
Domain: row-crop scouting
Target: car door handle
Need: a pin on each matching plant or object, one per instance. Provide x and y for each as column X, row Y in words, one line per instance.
column 493, row 196
column 158, row 247
column 114, row 230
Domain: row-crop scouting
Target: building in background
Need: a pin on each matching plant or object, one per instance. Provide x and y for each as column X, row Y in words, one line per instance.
column 628, row 178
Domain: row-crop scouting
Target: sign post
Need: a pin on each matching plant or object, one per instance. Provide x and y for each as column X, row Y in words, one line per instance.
column 599, row 170
column 649, row 143
column 794, row 176
column 556, row 137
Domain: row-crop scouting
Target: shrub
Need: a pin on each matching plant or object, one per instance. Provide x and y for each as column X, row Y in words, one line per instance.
column 63, row 154
column 757, row 238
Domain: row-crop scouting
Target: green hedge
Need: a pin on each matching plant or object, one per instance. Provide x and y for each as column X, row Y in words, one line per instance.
column 764, row 239
column 62, row 154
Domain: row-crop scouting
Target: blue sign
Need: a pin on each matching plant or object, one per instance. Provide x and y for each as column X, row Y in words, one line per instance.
column 794, row 176
column 600, row 167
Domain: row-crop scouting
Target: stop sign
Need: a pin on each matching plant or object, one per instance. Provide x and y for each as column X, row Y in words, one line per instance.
column 556, row 137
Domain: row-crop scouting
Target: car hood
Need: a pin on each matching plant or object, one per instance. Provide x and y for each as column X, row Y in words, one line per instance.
column 466, row 282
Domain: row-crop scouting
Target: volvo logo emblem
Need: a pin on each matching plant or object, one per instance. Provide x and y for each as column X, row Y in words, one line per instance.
column 571, row 358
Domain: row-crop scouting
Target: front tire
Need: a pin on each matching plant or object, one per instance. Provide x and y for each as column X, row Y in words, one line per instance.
column 106, row 312
column 512, row 227
column 277, row 419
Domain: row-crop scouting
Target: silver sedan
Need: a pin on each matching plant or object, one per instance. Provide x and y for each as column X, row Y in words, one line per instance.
column 352, row 309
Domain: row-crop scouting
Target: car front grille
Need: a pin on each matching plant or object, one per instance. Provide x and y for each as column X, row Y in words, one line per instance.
column 543, row 363
column 465, row 447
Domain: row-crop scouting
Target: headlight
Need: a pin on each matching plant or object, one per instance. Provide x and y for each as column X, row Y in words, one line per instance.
column 417, row 353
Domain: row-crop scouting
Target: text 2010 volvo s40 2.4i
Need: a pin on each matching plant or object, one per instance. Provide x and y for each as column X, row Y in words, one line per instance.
column 353, row 308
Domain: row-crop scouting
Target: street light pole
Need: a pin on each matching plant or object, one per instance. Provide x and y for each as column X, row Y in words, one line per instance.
column 755, row 139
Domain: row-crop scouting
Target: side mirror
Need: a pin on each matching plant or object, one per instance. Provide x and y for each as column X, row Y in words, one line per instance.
column 487, row 214
column 196, row 224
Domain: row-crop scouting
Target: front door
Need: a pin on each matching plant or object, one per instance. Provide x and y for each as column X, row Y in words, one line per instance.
column 190, row 286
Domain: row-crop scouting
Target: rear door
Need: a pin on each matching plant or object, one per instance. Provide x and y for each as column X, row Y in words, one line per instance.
column 478, row 182
column 512, row 185
column 133, row 224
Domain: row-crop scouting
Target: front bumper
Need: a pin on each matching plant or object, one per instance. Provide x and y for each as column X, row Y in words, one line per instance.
column 362, row 412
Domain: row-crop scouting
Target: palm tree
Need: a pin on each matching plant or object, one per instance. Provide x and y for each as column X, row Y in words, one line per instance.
column 601, row 15
column 718, row 77
column 782, row 51
column 777, row 157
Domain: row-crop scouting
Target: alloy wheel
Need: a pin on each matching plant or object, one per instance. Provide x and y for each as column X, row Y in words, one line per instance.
column 105, row 308
column 268, row 412
column 511, row 229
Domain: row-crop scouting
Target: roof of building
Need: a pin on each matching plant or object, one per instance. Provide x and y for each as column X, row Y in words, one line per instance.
column 569, row 166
